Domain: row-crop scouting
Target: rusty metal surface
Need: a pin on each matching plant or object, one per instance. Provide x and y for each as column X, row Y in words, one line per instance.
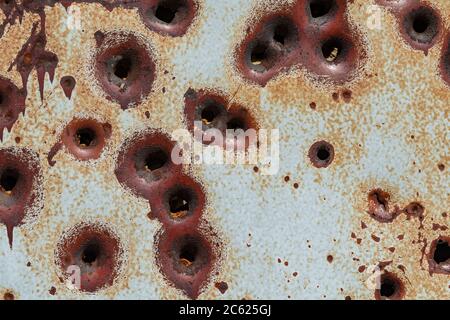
column 301, row 233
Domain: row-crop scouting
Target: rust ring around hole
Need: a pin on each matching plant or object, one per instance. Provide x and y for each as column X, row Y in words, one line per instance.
column 321, row 154
column 169, row 17
column 91, row 251
column 186, row 258
column 124, row 68
column 421, row 26
column 144, row 161
column 85, row 139
column 391, row 287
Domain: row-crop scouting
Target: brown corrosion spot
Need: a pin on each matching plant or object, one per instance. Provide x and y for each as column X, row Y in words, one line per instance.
column 347, row 96
column 330, row 258
column 52, row 291
column 12, row 104
column 168, row 17
column 221, row 286
column 68, row 84
column 179, row 199
column 93, row 249
column 8, row 296
column 415, row 210
column 390, row 287
column 321, row 154
column 86, row 138
column 439, row 256
column 19, row 187
column 375, row 238
column 186, row 258
column 124, row 68
column 379, row 206
column 145, row 161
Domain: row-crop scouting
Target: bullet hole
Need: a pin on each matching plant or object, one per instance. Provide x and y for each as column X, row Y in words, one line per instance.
column 320, row 8
column 280, row 33
column 188, row 254
column 259, row 54
column 332, row 50
column 123, row 67
column 391, row 287
column 441, row 252
column 171, row 17
column 210, row 113
column 166, row 10
column 96, row 250
column 8, row 180
column 236, row 124
column 156, row 159
column 180, row 203
column 379, row 206
column 90, row 253
column 321, row 154
column 85, row 137
column 439, row 256
column 422, row 25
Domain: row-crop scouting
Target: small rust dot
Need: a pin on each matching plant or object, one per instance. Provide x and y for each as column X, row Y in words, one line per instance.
column 330, row 258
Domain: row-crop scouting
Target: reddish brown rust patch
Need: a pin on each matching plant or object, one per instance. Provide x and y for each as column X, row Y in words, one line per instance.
column 12, row 103
column 144, row 162
column 379, row 206
column 219, row 113
column 124, row 68
column 19, row 187
column 375, row 238
column 95, row 249
column 415, row 210
column 321, row 154
column 221, row 286
column 439, row 256
column 306, row 34
column 8, row 296
column 52, row 291
column 186, row 258
column 361, row 269
column 85, row 138
column 169, row 17
column 391, row 287
column 330, row 258
column 68, row 84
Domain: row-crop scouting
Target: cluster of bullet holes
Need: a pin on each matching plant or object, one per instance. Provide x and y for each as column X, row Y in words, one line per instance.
column 169, row 17
column 124, row 68
column 12, row 103
column 144, row 166
column 19, row 187
column 314, row 33
column 89, row 256
column 321, row 154
column 390, row 287
column 86, row 138
column 420, row 24
column 215, row 111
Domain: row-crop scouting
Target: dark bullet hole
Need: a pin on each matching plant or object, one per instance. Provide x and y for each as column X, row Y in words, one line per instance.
column 155, row 160
column 85, row 137
column 1, row 98
column 388, row 288
column 320, row 8
column 259, row 54
column 188, row 254
column 210, row 113
column 90, row 253
column 280, row 33
column 332, row 49
column 123, row 67
column 166, row 11
column 441, row 251
column 9, row 179
column 321, row 154
column 391, row 287
column 236, row 124
column 422, row 25
column 180, row 203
